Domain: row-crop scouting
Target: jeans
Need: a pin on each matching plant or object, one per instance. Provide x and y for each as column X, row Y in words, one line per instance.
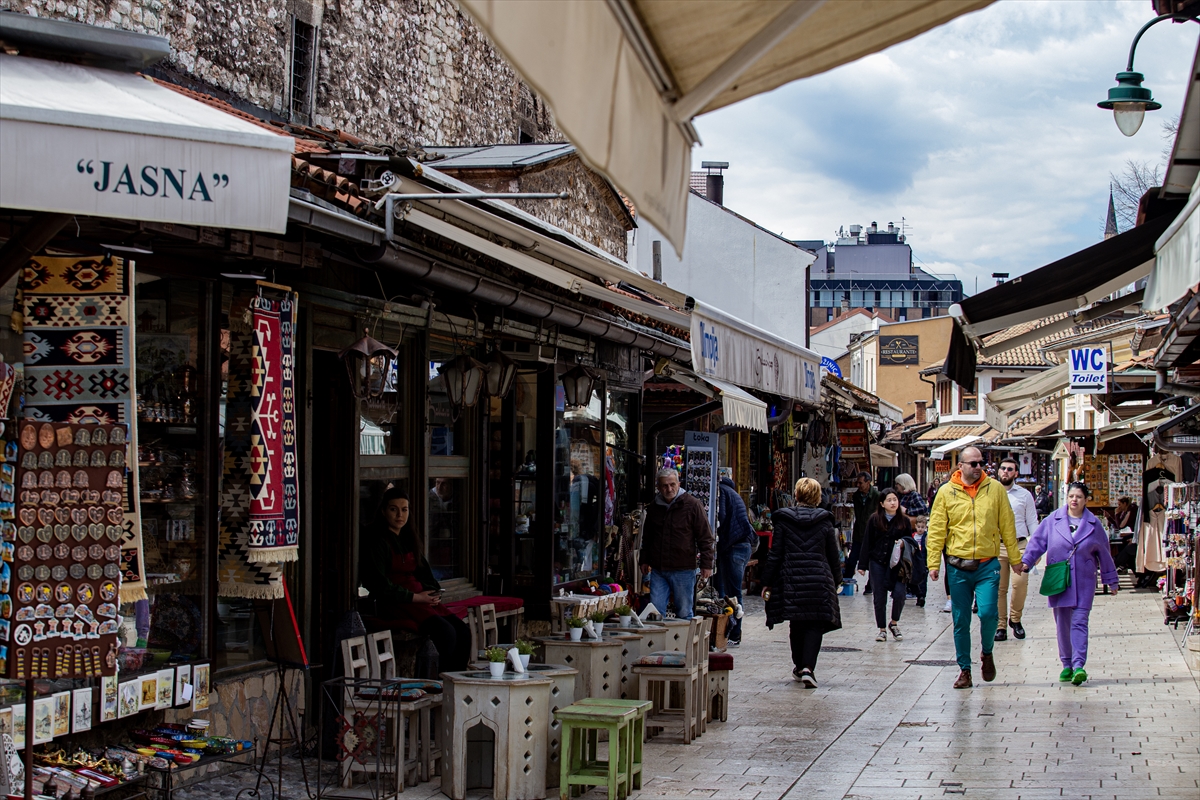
column 678, row 582
column 881, row 577
column 984, row 584
column 1011, row 612
column 806, row 644
column 731, row 571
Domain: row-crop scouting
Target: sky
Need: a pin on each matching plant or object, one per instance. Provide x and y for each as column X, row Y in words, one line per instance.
column 982, row 134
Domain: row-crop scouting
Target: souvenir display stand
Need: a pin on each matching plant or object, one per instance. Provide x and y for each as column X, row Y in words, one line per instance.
column 1180, row 548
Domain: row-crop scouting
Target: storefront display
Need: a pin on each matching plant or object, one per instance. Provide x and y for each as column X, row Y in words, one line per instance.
column 579, row 489
column 699, row 475
column 1180, row 541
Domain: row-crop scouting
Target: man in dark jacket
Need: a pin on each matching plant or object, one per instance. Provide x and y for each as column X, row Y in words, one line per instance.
column 675, row 534
column 866, row 503
column 735, row 544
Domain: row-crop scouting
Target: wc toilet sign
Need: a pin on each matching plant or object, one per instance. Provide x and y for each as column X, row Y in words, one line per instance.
column 1088, row 370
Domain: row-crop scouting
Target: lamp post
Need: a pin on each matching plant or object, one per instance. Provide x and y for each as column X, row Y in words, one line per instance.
column 578, row 383
column 501, row 372
column 1129, row 100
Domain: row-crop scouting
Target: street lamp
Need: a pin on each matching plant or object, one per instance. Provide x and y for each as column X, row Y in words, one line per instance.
column 462, row 376
column 578, row 383
column 501, row 372
column 1129, row 100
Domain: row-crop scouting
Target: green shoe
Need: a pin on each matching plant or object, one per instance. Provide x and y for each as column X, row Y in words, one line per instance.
column 1066, row 674
column 1079, row 677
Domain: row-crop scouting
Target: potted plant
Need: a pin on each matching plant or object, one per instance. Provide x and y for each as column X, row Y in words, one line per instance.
column 496, row 657
column 597, row 618
column 624, row 612
column 525, row 650
column 576, row 625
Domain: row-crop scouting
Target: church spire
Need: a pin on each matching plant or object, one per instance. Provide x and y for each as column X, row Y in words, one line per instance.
column 1110, row 225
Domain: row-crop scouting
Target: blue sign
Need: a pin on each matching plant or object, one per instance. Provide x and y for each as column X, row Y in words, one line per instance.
column 830, row 366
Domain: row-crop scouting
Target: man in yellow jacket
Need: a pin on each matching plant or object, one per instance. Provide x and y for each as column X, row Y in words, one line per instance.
column 971, row 515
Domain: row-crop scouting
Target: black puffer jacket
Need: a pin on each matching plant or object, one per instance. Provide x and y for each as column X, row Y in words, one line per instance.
column 878, row 544
column 802, row 567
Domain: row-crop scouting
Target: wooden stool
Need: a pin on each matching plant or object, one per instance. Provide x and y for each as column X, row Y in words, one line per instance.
column 580, row 766
column 719, row 666
column 638, row 736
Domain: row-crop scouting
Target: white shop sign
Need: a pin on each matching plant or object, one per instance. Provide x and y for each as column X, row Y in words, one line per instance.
column 83, row 140
column 737, row 352
column 1088, row 370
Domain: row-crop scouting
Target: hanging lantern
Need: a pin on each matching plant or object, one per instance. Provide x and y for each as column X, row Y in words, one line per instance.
column 463, row 377
column 501, row 372
column 369, row 364
column 578, row 383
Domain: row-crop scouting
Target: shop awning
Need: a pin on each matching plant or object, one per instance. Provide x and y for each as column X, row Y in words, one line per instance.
column 1138, row 424
column 882, row 457
column 1177, row 260
column 741, row 408
column 941, row 451
column 85, row 140
column 625, row 77
column 732, row 350
column 999, row 403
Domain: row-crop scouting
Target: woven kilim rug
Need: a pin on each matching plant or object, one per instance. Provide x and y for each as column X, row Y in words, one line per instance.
column 237, row 574
column 78, row 365
column 274, row 486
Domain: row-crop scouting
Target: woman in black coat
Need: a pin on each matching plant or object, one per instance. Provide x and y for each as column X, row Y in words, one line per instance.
column 884, row 528
column 800, row 577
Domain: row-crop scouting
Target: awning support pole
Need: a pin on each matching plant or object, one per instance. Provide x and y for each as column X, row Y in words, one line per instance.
column 29, row 241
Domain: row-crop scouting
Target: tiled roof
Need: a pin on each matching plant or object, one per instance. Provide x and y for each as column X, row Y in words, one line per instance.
column 947, row 433
column 1041, row 420
column 844, row 317
column 1026, row 355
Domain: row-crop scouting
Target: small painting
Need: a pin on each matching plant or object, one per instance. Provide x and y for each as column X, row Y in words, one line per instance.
column 18, row 725
column 81, row 715
column 129, row 697
column 108, row 698
column 6, row 722
column 43, row 720
column 62, row 713
column 149, row 691
column 200, row 680
column 183, row 684
column 166, row 688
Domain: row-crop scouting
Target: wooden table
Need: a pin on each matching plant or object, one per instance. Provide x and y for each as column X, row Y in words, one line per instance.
column 601, row 662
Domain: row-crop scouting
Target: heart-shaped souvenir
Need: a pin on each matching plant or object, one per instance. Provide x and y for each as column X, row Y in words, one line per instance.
column 28, row 437
column 28, row 516
column 79, row 532
column 79, row 516
column 111, row 497
column 81, row 458
column 115, row 479
column 90, row 497
column 70, row 497
column 45, row 533
column 26, row 533
column 95, row 513
column 51, row 498
column 45, row 516
column 62, row 515
column 96, row 530
column 46, row 436
column 63, row 532
column 114, row 533
column 116, row 516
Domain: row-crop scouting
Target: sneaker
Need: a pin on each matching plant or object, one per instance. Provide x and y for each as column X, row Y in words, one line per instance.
column 808, row 679
column 895, row 629
column 1079, row 677
column 987, row 667
column 867, row 590
column 920, row 602
column 1001, row 635
column 964, row 680
column 881, row 636
column 1066, row 674
column 1018, row 629
column 796, row 673
column 946, row 609
column 910, row 596
column 733, row 642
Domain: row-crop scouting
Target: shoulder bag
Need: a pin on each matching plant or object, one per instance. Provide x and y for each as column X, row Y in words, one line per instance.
column 1058, row 575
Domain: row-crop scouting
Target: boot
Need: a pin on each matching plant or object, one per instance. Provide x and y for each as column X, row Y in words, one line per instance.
column 987, row 667
column 964, row 680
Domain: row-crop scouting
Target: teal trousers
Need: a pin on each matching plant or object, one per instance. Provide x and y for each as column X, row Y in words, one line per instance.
column 982, row 586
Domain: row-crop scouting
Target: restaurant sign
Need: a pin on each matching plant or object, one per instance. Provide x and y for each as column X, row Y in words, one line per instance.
column 897, row 350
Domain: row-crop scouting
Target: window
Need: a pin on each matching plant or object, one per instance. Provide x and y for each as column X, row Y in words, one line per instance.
column 968, row 402
column 1089, row 420
column 826, row 300
column 1000, row 383
column 856, row 298
column 304, row 49
column 944, row 397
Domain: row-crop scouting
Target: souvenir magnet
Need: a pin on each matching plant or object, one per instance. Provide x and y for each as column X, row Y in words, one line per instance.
column 95, row 572
column 46, row 436
column 10, row 452
column 79, row 552
column 58, row 572
column 7, row 492
column 46, row 479
column 114, row 533
column 80, row 480
column 116, row 435
column 108, row 591
column 8, row 551
column 28, row 437
column 113, row 553
column 8, row 511
column 4, row 630
column 62, row 479
column 50, row 498
column 44, row 593
column 99, row 459
column 45, row 460
column 25, row 572
column 63, row 593
column 25, row 593
column 23, row 635
column 81, row 459
column 78, row 571
column 83, row 438
column 115, row 479
column 62, row 458
column 85, row 594
column 62, row 551
column 25, row 553
column 25, row 614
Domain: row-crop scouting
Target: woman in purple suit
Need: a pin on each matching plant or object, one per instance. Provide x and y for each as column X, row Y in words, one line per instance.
column 1073, row 533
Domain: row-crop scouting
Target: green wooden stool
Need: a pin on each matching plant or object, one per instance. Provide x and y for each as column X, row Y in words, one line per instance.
column 580, row 768
column 638, row 735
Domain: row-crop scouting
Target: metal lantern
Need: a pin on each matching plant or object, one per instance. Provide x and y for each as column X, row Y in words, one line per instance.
column 578, row 383
column 501, row 372
column 462, row 377
column 369, row 363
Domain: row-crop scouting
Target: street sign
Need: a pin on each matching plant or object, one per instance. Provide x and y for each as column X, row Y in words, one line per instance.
column 831, row 366
column 1088, row 370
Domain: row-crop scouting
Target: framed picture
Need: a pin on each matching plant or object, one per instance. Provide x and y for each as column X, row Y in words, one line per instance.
column 129, row 696
column 81, row 714
column 202, row 686
column 6, row 722
column 183, row 684
column 166, row 688
column 62, row 713
column 149, row 692
column 18, row 724
column 43, row 720
column 108, row 698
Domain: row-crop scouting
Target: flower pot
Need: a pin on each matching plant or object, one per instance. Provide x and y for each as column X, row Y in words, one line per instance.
column 576, row 634
column 625, row 621
column 497, row 668
column 599, row 626
column 525, row 662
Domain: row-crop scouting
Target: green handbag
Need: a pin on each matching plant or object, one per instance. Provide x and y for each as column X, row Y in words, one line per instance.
column 1058, row 576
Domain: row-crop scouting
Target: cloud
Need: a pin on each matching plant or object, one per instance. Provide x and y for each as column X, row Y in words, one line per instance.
column 982, row 134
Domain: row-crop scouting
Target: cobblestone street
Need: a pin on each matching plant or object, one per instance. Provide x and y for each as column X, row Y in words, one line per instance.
column 886, row 724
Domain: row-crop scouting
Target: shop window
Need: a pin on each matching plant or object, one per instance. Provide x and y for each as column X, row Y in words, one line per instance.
column 945, row 399
column 579, row 489
column 968, row 402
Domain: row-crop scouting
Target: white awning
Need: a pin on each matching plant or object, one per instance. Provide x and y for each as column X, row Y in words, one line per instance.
column 729, row 349
column 882, row 457
column 999, row 403
column 943, row 450
column 1177, row 257
column 625, row 77
column 84, row 140
column 1138, row 424
column 741, row 408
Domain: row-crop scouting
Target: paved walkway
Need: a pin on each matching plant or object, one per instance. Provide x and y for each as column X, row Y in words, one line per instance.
column 886, row 724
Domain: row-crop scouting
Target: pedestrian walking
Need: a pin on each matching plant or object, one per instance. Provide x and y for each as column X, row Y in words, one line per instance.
column 911, row 501
column 888, row 531
column 971, row 515
column 1011, row 608
column 800, row 579
column 735, row 544
column 917, row 509
column 1045, row 504
column 1072, row 535
column 675, row 535
column 865, row 502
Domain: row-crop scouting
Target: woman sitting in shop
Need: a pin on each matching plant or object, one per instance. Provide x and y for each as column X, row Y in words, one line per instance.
column 406, row 596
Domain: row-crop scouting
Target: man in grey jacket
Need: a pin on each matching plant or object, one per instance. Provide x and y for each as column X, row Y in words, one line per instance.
column 675, row 535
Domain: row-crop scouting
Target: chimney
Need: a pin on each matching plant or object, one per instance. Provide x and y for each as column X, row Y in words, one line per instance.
column 919, row 417
column 874, row 227
column 891, row 228
column 656, row 247
column 714, row 188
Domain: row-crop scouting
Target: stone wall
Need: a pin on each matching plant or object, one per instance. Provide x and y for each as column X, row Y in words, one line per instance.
column 241, row 706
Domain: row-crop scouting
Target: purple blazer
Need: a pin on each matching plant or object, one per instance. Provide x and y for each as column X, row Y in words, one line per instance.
column 1053, row 539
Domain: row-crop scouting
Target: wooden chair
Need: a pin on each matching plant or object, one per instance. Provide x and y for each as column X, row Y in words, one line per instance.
column 423, row 745
column 485, row 632
column 655, row 682
column 361, row 661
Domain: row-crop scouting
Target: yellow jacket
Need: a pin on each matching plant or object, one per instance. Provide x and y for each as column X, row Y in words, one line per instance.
column 971, row 527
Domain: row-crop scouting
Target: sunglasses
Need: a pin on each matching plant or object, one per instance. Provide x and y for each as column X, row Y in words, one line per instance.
column 1008, row 468
column 975, row 464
